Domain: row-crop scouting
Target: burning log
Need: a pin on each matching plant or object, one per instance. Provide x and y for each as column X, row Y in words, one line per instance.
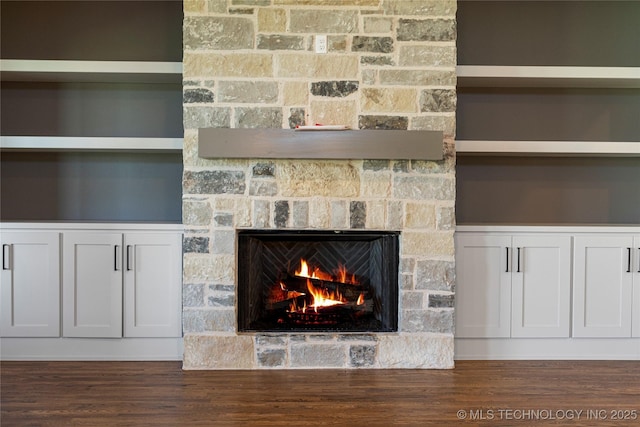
column 351, row 292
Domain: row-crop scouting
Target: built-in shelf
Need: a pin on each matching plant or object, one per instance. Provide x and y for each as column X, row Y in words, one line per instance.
column 91, row 71
column 63, row 143
column 542, row 76
column 555, row 148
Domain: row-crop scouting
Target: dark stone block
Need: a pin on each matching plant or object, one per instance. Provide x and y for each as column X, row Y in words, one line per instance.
column 375, row 165
column 437, row 30
column 372, row 44
column 214, row 182
column 222, row 300
column 297, row 117
column 193, row 295
column 240, row 11
column 376, row 60
column 223, row 219
column 438, row 100
column 198, row 245
column 264, row 169
column 197, row 95
column 383, row 122
column 334, row 88
column 401, row 166
column 358, row 214
column 441, row 301
column 271, row 358
column 362, row 355
column 280, row 42
column 281, row 213
column 222, row 288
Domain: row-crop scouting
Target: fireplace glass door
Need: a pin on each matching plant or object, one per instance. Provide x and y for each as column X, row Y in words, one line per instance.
column 301, row 281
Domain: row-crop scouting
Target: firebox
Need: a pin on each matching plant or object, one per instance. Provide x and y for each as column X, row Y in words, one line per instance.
column 301, row 281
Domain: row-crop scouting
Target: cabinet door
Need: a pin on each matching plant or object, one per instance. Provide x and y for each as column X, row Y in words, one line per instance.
column 541, row 286
column 92, row 284
column 153, row 285
column 30, row 295
column 483, row 286
column 635, row 327
column 602, row 287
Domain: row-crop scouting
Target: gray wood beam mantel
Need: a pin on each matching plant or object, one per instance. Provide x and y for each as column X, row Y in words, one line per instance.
column 320, row 144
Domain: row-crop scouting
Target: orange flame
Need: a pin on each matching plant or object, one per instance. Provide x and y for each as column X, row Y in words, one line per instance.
column 323, row 297
column 360, row 299
column 341, row 274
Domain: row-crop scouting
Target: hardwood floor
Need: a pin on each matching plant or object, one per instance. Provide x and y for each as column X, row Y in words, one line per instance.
column 512, row 393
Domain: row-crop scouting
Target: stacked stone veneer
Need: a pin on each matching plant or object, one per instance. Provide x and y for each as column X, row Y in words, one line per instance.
column 251, row 64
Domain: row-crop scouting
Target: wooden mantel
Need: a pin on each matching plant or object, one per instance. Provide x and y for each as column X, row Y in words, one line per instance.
column 320, row 144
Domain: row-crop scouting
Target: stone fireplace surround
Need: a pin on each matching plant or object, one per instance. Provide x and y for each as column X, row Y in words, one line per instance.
column 250, row 64
column 410, row 196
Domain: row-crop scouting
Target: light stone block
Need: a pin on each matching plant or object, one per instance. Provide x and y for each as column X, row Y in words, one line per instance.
column 420, row 7
column 224, row 242
column 196, row 212
column 255, row 92
column 418, row 77
column 376, row 213
column 445, row 123
column 242, row 213
column 323, row 21
column 376, row 184
column 424, row 188
column 312, row 66
column 307, row 178
column 389, row 100
column 427, row 56
column 420, row 215
column 194, row 6
column 208, row 320
column 427, row 244
column 333, row 112
column 305, row 355
column 217, row 32
column 370, row 3
column 261, row 214
column 295, row 93
column 319, row 213
column 339, row 214
column 376, row 24
column 415, row 351
column 436, row 320
column 272, row 20
column 209, row 268
column 395, row 215
column 227, row 65
column 218, row 352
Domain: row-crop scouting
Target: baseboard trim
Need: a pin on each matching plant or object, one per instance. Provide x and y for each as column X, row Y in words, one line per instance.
column 547, row 349
column 91, row 349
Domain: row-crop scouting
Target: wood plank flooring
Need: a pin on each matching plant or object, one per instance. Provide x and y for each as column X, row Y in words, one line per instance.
column 510, row 393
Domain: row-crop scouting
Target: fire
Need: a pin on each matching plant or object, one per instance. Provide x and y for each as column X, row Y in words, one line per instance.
column 321, row 298
column 360, row 299
column 341, row 274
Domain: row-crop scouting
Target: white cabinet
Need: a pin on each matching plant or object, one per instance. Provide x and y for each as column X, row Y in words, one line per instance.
column 483, row 286
column 513, row 285
column 153, row 275
column 92, row 285
column 30, row 296
column 606, row 289
column 106, row 272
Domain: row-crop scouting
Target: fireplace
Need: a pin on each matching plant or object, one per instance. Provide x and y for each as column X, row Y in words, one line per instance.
column 326, row 281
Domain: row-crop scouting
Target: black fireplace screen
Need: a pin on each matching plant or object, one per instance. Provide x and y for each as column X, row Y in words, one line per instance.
column 317, row 281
